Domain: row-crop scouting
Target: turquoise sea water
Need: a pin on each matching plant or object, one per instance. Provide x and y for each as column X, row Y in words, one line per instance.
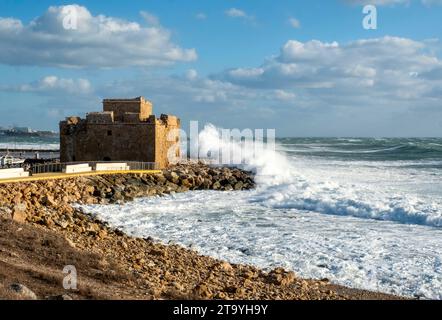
column 366, row 149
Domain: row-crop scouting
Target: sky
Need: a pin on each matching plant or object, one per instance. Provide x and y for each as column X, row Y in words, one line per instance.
column 304, row 68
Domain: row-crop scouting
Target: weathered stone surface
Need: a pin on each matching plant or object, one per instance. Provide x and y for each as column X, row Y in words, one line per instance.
column 281, row 277
column 203, row 291
column 5, row 212
column 22, row 291
column 19, row 212
column 48, row 200
column 126, row 129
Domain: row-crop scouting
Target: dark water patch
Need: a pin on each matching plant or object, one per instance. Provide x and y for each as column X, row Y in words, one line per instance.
column 364, row 149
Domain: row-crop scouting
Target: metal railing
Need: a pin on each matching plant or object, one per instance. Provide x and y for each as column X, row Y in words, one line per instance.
column 53, row 167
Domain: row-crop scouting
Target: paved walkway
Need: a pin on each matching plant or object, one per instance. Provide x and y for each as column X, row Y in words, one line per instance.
column 59, row 175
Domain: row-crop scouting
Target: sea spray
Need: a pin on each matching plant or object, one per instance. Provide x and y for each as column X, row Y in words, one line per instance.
column 269, row 166
column 282, row 185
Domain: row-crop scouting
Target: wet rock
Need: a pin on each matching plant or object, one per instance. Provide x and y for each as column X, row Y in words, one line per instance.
column 172, row 176
column 239, row 185
column 216, row 185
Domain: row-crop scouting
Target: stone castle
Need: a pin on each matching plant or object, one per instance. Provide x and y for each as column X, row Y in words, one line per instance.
column 126, row 130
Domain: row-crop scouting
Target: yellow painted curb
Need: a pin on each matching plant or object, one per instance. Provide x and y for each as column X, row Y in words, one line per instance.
column 55, row 176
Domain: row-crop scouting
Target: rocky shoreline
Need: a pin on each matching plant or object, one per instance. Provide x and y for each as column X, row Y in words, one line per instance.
column 38, row 217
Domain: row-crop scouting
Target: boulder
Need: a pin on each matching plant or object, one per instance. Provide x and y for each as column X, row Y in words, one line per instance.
column 48, row 200
column 239, row 185
column 281, row 277
column 202, row 291
column 22, row 291
column 19, row 212
column 216, row 185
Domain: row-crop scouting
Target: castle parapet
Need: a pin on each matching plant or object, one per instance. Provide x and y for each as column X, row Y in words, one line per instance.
column 170, row 120
column 119, row 107
column 131, row 117
column 100, row 117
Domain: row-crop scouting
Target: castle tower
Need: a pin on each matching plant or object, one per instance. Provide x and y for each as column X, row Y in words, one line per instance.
column 126, row 130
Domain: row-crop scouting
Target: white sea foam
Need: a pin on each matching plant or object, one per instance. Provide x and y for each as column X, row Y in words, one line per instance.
column 307, row 185
column 371, row 225
column 362, row 253
column 29, row 146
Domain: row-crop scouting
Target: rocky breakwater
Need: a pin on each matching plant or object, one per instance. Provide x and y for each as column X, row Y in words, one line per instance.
column 32, row 201
column 180, row 178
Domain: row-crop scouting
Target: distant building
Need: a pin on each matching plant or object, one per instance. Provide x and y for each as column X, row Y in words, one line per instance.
column 22, row 130
column 126, row 130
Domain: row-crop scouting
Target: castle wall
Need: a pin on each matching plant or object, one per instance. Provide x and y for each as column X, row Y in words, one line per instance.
column 125, row 131
column 165, row 138
column 121, row 106
column 110, row 142
column 100, row 117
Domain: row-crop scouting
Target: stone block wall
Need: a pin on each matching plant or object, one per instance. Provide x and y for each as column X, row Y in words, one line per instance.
column 120, row 106
column 100, row 117
column 106, row 137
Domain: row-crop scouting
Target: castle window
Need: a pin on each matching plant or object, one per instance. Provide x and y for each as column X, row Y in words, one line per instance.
column 109, row 132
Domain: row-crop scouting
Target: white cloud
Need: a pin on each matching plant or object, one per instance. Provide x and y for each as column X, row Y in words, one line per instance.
column 350, row 88
column 191, row 74
column 54, row 84
column 295, row 23
column 239, row 14
column 354, row 74
column 98, row 41
column 384, row 86
column 150, row 18
column 173, row 92
column 381, row 87
column 236, row 13
column 246, row 73
column 284, row 95
column 383, row 64
column 201, row 16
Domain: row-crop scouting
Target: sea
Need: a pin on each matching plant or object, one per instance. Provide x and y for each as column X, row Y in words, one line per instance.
column 362, row 212
column 29, row 147
column 29, row 143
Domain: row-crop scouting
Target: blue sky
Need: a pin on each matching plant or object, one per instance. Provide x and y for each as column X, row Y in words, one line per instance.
column 306, row 68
